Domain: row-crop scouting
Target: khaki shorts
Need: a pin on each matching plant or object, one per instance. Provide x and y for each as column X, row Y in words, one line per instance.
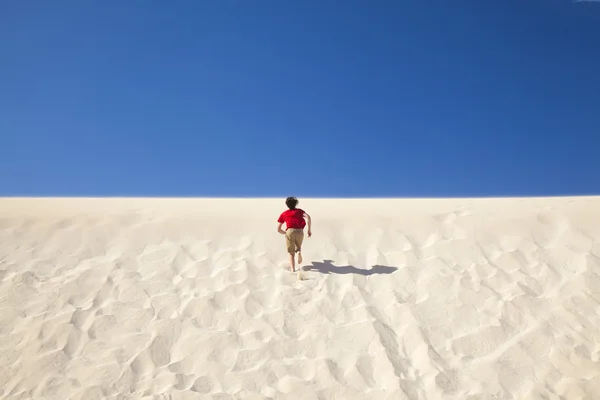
column 293, row 240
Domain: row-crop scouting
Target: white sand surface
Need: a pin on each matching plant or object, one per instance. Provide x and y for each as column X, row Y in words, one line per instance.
column 399, row 299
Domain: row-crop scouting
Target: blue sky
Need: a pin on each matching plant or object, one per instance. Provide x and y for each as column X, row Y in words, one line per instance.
column 308, row 98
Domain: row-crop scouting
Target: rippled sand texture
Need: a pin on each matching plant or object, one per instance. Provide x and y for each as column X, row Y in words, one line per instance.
column 398, row 299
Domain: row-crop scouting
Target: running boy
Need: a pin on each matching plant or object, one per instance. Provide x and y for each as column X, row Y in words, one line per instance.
column 294, row 233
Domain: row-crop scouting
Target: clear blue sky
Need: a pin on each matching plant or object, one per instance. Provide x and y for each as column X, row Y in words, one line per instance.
column 308, row 98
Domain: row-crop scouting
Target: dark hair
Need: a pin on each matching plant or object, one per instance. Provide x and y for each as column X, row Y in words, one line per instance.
column 291, row 202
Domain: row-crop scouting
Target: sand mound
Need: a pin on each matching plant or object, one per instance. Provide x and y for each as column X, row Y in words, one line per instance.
column 397, row 299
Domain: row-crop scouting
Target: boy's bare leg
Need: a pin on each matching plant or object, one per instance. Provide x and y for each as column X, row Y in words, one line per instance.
column 299, row 257
column 292, row 263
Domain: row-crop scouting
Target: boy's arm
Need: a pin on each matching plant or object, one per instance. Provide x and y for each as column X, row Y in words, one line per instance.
column 279, row 228
column 309, row 222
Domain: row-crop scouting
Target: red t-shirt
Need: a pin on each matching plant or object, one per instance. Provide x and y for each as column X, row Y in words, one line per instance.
column 293, row 219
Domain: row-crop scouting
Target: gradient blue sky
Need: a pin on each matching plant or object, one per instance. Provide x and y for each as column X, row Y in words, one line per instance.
column 308, row 98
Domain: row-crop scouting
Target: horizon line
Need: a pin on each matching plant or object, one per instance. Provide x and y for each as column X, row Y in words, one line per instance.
column 141, row 197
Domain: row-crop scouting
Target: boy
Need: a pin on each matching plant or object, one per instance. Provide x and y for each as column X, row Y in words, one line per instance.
column 294, row 233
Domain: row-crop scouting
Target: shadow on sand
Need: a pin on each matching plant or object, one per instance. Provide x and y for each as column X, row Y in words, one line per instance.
column 327, row 267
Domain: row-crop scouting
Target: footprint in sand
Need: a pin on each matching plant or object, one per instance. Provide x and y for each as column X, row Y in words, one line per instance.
column 104, row 327
column 105, row 293
column 364, row 365
column 83, row 319
column 203, row 384
column 248, row 359
column 160, row 351
column 74, row 343
column 253, row 307
column 184, row 382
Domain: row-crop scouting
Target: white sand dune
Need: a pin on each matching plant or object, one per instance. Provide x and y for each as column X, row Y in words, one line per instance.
column 399, row 299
